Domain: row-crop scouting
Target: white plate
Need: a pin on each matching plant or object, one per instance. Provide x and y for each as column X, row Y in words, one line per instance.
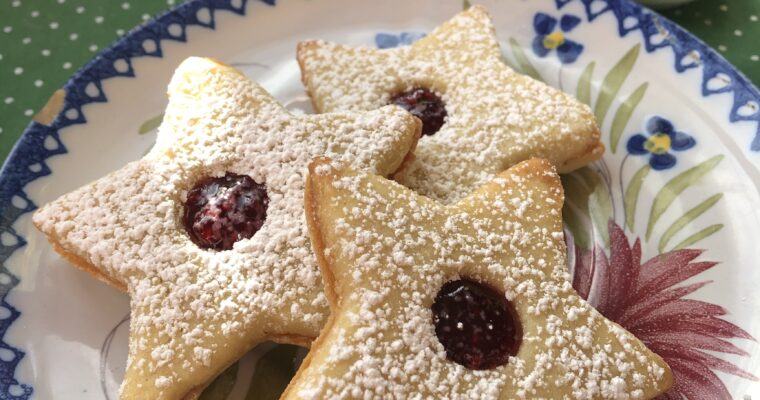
column 62, row 331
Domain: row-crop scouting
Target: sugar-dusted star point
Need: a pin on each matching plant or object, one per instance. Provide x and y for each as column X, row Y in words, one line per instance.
column 494, row 117
column 207, row 232
column 417, row 288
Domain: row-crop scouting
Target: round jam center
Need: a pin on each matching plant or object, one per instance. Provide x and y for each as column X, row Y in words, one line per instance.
column 477, row 325
column 221, row 211
column 425, row 105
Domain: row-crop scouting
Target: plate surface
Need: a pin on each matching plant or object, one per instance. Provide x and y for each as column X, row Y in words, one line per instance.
column 662, row 232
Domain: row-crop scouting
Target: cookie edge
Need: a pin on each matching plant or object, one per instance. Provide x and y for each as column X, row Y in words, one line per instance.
column 318, row 247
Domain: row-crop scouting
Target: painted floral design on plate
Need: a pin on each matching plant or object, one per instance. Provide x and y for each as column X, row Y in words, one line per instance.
column 647, row 297
column 610, row 248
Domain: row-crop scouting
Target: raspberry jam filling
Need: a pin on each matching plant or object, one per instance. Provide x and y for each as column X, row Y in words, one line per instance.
column 478, row 326
column 221, row 211
column 425, row 105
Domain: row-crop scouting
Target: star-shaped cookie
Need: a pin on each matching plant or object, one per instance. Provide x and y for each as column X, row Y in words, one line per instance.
column 404, row 274
column 496, row 117
column 195, row 310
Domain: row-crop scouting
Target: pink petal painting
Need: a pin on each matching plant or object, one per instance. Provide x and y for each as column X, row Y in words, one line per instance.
column 648, row 299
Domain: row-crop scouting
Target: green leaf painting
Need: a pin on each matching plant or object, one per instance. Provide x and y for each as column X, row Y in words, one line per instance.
column 509, row 62
column 574, row 219
column 685, row 219
column 586, row 194
column 150, row 124
column 583, row 92
column 675, row 187
column 698, row 236
column 631, row 197
column 222, row 386
column 273, row 372
column 614, row 81
column 522, row 60
column 623, row 115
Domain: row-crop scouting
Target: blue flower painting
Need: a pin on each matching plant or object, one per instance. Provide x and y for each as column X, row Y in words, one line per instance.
column 389, row 40
column 659, row 142
column 551, row 36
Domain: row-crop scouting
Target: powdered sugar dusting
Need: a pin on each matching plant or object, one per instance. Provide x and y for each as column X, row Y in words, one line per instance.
column 195, row 311
column 391, row 250
column 496, row 117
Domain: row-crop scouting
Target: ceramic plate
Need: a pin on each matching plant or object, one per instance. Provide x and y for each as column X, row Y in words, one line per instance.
column 662, row 231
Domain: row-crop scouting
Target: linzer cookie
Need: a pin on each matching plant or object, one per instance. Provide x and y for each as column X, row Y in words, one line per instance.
column 479, row 116
column 470, row 301
column 207, row 232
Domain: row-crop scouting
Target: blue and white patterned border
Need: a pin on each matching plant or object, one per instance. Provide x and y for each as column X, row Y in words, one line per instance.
column 39, row 142
column 689, row 51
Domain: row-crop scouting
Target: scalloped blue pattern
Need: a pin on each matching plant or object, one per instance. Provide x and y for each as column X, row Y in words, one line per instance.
column 690, row 52
column 39, row 142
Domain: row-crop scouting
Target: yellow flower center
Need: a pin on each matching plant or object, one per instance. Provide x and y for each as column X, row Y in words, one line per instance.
column 554, row 40
column 659, row 143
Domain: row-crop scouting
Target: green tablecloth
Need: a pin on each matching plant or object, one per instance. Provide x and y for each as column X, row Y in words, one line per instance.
column 42, row 42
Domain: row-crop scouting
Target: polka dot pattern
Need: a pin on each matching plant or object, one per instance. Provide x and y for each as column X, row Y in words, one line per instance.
column 43, row 43
column 731, row 27
column 43, row 142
